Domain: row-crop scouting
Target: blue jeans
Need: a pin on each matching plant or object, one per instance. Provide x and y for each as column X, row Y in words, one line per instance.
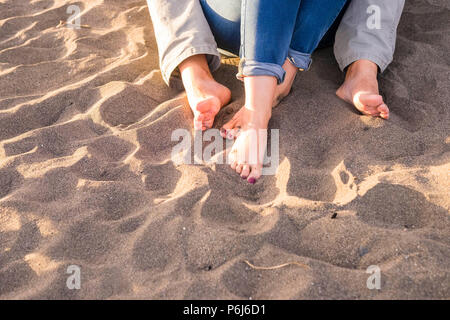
column 266, row 32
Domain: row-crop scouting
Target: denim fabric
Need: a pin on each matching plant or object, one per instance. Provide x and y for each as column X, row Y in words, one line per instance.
column 266, row 32
column 181, row 31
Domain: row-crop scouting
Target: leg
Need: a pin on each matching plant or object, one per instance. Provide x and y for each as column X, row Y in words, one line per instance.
column 185, row 40
column 247, row 154
column 232, row 128
column 314, row 19
column 364, row 48
column 224, row 19
column 313, row 22
column 205, row 95
column 265, row 48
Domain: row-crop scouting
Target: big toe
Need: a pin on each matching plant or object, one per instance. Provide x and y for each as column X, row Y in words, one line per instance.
column 384, row 111
column 255, row 173
column 202, row 121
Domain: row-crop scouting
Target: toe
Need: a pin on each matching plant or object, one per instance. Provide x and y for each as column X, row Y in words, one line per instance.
column 198, row 125
column 232, row 158
column 226, row 128
column 373, row 113
column 230, row 124
column 245, row 171
column 234, row 122
column 255, row 174
column 223, row 133
column 206, row 110
column 384, row 111
column 383, row 108
column 208, row 123
column 230, row 134
column 233, row 133
column 368, row 104
column 239, row 168
column 370, row 111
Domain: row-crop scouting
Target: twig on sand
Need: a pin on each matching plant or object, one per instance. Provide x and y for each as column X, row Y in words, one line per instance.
column 63, row 23
column 276, row 267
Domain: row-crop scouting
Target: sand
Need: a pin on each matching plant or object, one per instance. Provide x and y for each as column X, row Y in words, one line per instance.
column 86, row 176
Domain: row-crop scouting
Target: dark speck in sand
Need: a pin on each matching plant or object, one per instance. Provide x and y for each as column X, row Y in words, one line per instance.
column 334, row 215
column 363, row 251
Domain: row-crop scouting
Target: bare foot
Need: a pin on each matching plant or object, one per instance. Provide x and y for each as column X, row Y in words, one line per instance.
column 360, row 88
column 231, row 129
column 204, row 94
column 247, row 154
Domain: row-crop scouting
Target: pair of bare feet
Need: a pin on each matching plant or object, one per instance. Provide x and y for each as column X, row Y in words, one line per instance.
column 249, row 125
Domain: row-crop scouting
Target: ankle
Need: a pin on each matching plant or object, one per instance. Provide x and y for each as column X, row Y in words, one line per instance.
column 362, row 67
column 195, row 68
column 195, row 74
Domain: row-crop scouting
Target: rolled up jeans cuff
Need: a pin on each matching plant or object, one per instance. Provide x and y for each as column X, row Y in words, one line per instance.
column 301, row 60
column 172, row 61
column 253, row 68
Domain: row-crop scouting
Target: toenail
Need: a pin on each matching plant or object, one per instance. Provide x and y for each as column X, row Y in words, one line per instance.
column 252, row 180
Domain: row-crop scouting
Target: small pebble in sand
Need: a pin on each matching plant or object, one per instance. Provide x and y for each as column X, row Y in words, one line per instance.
column 363, row 251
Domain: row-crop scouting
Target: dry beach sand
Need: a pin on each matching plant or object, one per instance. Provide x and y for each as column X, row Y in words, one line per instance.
column 86, row 176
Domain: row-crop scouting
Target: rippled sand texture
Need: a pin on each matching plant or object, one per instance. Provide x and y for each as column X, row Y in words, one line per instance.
column 86, row 177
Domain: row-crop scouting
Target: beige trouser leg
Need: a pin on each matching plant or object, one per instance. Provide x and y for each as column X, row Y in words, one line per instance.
column 181, row 31
column 360, row 36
